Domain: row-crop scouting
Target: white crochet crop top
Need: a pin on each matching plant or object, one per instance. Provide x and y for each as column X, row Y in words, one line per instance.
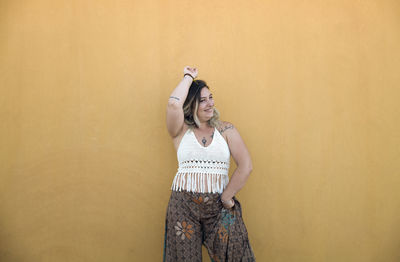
column 202, row 169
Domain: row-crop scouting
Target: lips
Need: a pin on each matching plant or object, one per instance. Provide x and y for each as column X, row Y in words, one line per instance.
column 208, row 110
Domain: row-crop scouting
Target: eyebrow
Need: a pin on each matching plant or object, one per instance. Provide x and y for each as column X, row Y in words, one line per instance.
column 205, row 96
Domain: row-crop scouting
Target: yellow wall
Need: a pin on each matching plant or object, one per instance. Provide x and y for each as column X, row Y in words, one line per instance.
column 86, row 162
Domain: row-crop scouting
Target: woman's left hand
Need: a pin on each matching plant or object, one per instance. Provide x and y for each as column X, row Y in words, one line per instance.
column 229, row 203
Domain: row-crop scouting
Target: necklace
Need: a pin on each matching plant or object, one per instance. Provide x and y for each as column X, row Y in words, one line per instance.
column 204, row 140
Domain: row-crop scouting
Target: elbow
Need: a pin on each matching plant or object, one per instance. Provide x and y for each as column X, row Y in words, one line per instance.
column 250, row 169
column 247, row 169
column 250, row 166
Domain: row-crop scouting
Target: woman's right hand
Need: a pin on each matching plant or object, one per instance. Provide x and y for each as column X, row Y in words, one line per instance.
column 190, row 70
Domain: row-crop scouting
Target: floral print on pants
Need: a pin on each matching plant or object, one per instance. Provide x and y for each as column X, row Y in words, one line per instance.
column 196, row 219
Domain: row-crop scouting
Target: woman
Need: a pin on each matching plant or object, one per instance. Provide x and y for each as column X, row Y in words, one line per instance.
column 203, row 208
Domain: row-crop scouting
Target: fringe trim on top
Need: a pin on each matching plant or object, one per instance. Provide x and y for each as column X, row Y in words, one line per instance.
column 196, row 182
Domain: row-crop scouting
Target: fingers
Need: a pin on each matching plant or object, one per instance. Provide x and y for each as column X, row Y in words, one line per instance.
column 191, row 69
column 230, row 205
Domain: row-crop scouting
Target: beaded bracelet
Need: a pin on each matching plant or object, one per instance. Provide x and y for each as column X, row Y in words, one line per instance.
column 188, row 75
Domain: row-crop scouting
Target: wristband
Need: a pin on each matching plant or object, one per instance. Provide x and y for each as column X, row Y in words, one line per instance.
column 188, row 75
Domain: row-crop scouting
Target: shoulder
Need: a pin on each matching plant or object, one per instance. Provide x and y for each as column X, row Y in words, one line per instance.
column 225, row 127
column 237, row 146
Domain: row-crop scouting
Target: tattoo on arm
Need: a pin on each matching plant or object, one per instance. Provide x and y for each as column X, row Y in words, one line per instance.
column 174, row 97
column 230, row 126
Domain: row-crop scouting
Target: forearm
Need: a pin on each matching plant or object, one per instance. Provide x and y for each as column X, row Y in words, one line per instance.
column 180, row 93
column 237, row 181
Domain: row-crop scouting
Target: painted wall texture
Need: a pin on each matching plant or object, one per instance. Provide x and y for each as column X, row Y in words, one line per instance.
column 86, row 163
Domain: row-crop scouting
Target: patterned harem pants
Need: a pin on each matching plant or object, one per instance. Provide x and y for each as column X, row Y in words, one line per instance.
column 194, row 219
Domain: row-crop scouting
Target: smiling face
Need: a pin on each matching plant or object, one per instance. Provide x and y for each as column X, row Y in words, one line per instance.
column 205, row 110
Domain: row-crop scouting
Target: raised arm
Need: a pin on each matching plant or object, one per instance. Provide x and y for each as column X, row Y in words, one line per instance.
column 242, row 159
column 175, row 118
